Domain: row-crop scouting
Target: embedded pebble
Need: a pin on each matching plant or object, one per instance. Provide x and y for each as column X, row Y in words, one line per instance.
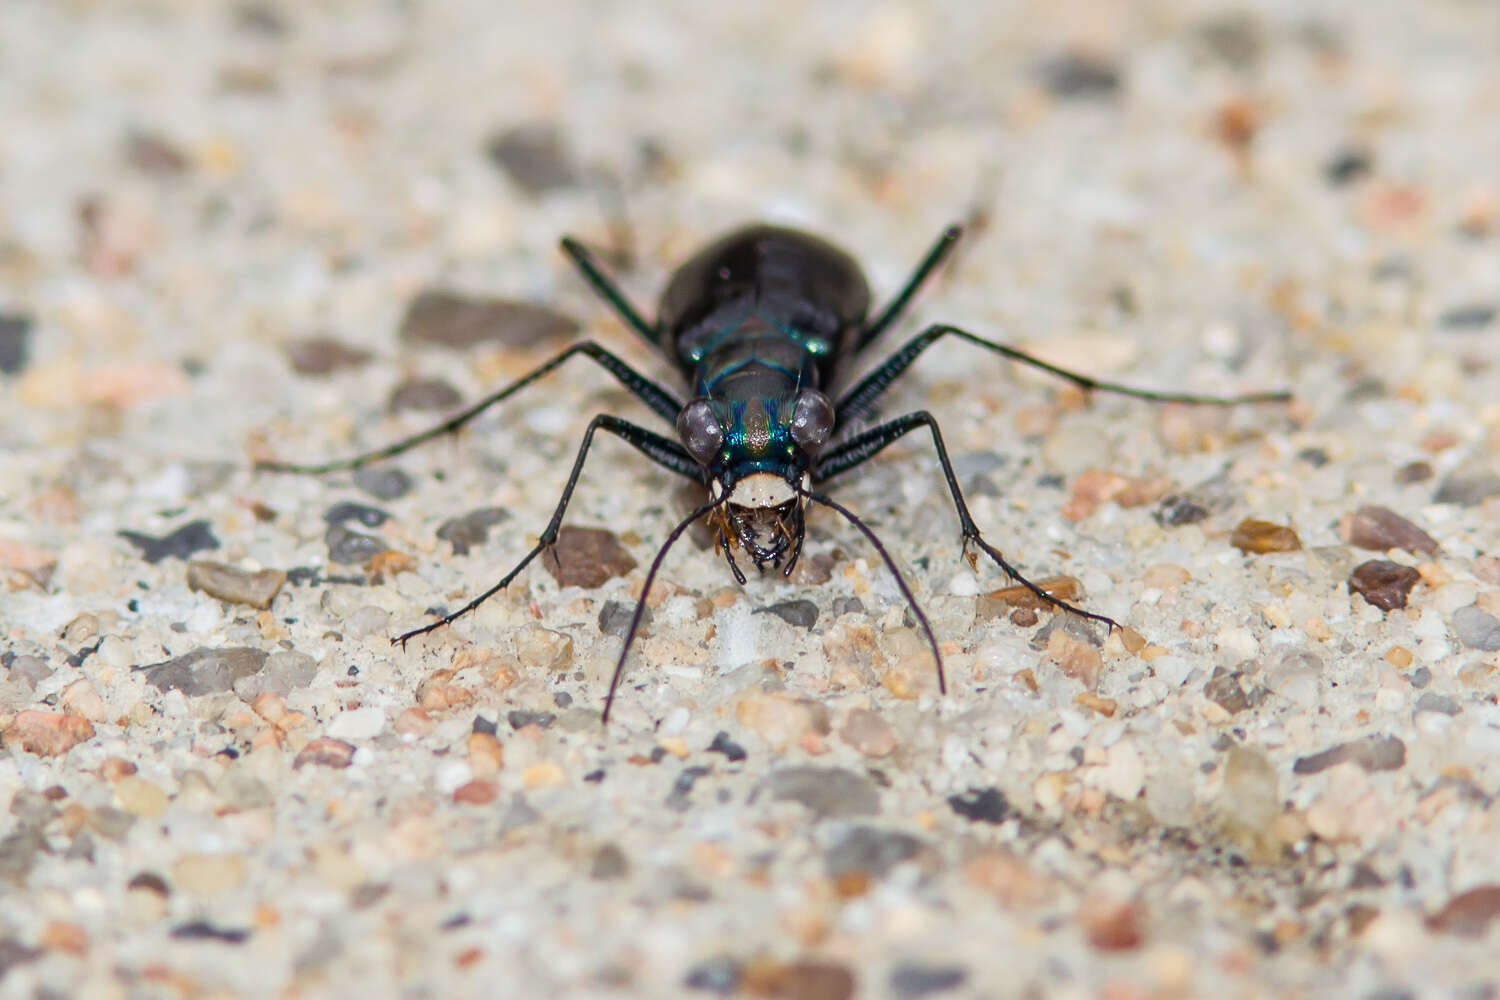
column 46, row 734
column 234, row 585
column 323, row 356
column 325, row 752
column 868, row 733
column 351, row 547
column 451, row 319
column 797, row 613
column 1373, row 753
column 520, row 717
column 348, row 510
column 183, row 543
column 1382, row 529
column 1470, row 316
column 1074, row 75
column 471, row 529
column 830, row 792
column 714, row 975
column 1468, row 487
column 383, row 482
column 209, row 874
column 141, row 798
column 534, row 156
column 615, row 617
column 1383, row 583
column 424, row 394
column 586, row 557
column 1259, row 537
column 911, row 982
column 205, row 671
column 151, row 153
column 981, row 805
column 1476, row 628
column 732, row 751
column 284, row 671
column 806, row 980
column 873, row 851
column 544, row 649
column 15, row 342
column 82, row 698
column 357, row 724
column 1468, row 914
column 30, row 670
column 1176, row 510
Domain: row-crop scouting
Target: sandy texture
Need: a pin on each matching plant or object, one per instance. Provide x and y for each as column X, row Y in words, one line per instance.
column 239, row 232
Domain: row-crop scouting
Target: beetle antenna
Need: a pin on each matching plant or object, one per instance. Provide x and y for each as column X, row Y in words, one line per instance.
column 640, row 605
column 890, row 564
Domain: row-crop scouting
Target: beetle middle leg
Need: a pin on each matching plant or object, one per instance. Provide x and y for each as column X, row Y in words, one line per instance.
column 865, row 446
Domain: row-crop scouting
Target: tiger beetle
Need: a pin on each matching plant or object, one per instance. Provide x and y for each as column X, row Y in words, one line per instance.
column 763, row 325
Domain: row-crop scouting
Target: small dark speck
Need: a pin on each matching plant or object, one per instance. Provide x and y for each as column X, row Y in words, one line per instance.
column 1315, row 457
column 133, row 604
column 1051, row 481
column 1346, row 166
column 486, row 726
column 1474, row 316
column 715, row 975
column 910, row 982
column 191, row 538
column 595, row 776
column 1176, row 510
column 353, row 671
column 470, row 529
column 345, row 546
column 534, row 157
column 230, row 752
column 456, row 921
column 1414, row 472
column 562, row 699
column 202, row 930
column 724, row 745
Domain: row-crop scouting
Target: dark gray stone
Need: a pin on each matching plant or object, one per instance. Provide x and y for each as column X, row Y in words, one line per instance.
column 205, row 671
column 831, row 792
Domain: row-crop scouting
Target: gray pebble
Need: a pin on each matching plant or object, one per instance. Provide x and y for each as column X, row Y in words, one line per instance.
column 348, row 510
column 345, row 546
column 831, row 792
column 1476, row 628
column 205, row 671
column 470, row 529
column 424, row 394
column 323, row 355
column 714, row 975
column 30, row 670
column 384, row 482
column 1471, row 316
column 451, row 319
column 1431, row 701
column 1468, row 487
column 534, row 157
column 797, row 613
column 1373, row 753
column 185, row 542
column 873, row 851
column 15, row 342
column 909, row 982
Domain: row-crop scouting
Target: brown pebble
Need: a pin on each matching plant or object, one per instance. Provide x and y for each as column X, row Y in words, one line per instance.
column 325, row 752
column 453, row 320
column 868, row 733
column 82, row 698
column 1468, row 914
column 1024, row 617
column 423, row 394
column 115, row 768
column 1111, row 925
column 997, row 602
column 1383, row 583
column 59, row 935
column 798, row 980
column 1252, row 536
column 586, row 557
column 46, row 734
column 1414, row 472
column 476, row 793
column 544, row 649
column 323, row 355
column 436, row 694
column 1075, row 658
column 234, row 585
column 1104, row 706
column 1382, row 529
column 413, row 722
column 485, row 755
column 1097, row 486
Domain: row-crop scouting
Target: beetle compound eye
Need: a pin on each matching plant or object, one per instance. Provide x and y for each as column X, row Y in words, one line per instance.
column 699, row 431
column 812, row 419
